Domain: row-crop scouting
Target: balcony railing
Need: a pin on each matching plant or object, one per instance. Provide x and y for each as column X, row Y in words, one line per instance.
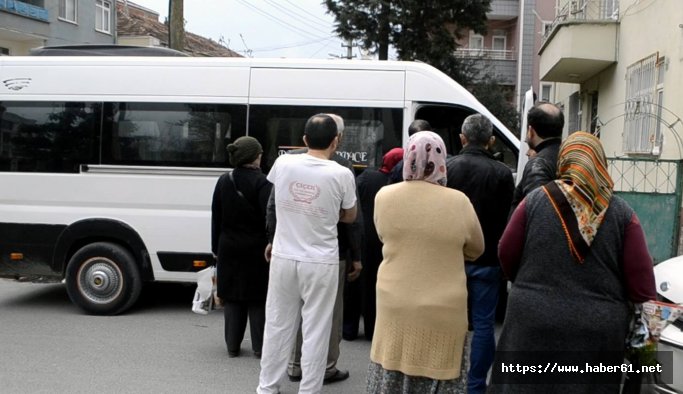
column 585, row 10
column 24, row 9
column 493, row 54
column 503, row 9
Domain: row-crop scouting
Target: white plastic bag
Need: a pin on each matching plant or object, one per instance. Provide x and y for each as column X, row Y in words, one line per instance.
column 203, row 296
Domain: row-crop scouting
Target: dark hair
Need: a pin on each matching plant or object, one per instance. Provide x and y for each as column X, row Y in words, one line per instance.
column 418, row 125
column 320, row 131
column 547, row 120
column 477, row 129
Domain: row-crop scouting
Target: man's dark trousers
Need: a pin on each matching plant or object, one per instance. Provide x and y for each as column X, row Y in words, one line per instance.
column 482, row 289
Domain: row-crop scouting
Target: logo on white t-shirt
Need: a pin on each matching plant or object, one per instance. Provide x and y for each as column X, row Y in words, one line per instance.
column 304, row 192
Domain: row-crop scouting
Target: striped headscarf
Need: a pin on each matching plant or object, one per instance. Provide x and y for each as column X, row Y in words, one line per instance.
column 425, row 158
column 585, row 183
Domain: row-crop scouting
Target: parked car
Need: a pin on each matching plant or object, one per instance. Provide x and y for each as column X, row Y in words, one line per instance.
column 669, row 280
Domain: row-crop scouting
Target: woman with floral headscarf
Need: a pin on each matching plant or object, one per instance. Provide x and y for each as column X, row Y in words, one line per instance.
column 578, row 260
column 428, row 231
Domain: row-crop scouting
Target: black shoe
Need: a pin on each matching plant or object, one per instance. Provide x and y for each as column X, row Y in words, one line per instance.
column 338, row 376
column 257, row 354
column 294, row 378
column 233, row 354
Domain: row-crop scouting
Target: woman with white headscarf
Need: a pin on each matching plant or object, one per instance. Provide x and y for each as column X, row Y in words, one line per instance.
column 428, row 231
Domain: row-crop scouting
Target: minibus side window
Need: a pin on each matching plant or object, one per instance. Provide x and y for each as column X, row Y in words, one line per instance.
column 48, row 136
column 368, row 134
column 171, row 134
column 446, row 120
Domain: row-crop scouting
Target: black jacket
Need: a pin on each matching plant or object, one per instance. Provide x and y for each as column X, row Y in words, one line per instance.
column 238, row 235
column 489, row 185
column 396, row 174
column 539, row 170
column 368, row 184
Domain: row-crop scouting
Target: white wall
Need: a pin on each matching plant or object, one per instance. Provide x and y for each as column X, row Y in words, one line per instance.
column 20, row 48
column 646, row 27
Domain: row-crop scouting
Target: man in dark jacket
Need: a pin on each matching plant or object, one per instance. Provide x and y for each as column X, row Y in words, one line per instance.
column 543, row 135
column 489, row 186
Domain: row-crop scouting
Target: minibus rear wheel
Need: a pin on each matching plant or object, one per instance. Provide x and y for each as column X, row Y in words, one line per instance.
column 103, row 279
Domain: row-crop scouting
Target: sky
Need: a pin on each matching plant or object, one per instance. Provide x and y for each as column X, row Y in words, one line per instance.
column 262, row 28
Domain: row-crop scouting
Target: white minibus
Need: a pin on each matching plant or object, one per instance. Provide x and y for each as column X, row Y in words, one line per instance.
column 108, row 164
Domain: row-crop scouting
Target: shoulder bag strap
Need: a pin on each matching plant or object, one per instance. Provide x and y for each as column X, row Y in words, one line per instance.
column 577, row 245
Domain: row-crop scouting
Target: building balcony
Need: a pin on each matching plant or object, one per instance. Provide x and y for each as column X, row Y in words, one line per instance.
column 503, row 10
column 581, row 42
column 24, row 9
column 502, row 63
column 485, row 53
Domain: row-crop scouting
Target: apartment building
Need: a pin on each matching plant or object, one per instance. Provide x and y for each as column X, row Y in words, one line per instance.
column 29, row 24
column 509, row 50
column 617, row 70
column 618, row 67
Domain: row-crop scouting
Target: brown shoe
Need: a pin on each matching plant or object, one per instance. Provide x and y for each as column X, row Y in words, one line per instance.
column 338, row 376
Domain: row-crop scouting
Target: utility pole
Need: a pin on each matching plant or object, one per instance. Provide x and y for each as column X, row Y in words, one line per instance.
column 349, row 48
column 176, row 25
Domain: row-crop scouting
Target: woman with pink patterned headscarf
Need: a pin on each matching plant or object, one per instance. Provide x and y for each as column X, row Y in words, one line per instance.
column 428, row 231
column 425, row 158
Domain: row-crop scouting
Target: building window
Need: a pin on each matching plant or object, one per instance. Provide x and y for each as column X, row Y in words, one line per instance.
column 609, row 9
column 574, row 113
column 499, row 45
column 594, row 128
column 476, row 42
column 547, row 92
column 103, row 16
column 644, row 82
column 68, row 10
column 4, row 51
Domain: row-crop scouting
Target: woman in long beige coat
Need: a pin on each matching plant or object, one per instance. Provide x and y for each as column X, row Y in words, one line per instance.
column 428, row 231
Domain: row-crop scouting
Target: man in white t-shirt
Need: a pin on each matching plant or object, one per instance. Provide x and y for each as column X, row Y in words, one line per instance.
column 312, row 194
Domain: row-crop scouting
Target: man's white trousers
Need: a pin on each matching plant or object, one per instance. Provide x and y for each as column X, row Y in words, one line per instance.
column 297, row 290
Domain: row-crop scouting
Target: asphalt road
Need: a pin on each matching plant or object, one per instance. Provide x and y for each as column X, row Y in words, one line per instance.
column 47, row 345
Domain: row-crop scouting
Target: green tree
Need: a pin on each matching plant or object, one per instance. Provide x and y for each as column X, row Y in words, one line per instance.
column 488, row 91
column 418, row 29
column 427, row 31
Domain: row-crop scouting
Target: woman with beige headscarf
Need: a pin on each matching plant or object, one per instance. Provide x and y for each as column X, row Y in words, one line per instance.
column 428, row 231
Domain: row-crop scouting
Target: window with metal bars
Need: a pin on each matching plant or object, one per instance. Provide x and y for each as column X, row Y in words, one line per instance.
column 643, row 98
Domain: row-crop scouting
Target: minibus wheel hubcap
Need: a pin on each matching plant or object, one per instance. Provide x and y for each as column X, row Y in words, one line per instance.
column 100, row 280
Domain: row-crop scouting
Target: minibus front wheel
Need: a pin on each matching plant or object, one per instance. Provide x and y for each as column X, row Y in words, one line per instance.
column 102, row 278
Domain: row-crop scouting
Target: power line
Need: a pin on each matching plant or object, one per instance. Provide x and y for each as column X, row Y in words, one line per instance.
column 292, row 45
column 323, row 46
column 298, row 17
column 287, row 25
column 306, row 11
